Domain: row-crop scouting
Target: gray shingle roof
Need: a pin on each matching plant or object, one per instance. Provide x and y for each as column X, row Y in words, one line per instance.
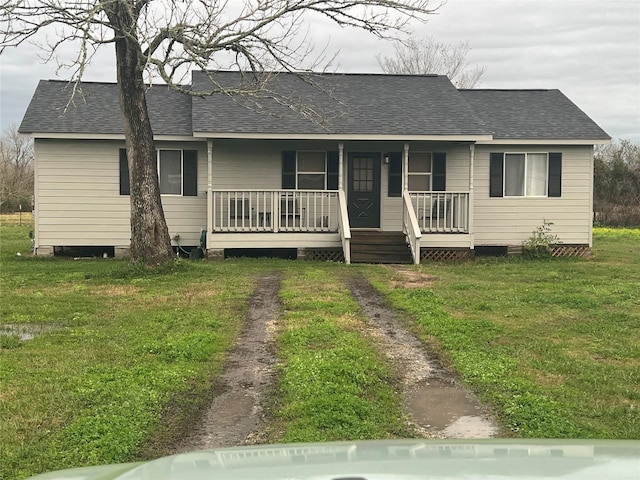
column 341, row 104
column 532, row 114
column 337, row 104
column 96, row 110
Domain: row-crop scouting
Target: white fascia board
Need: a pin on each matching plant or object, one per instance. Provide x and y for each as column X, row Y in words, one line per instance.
column 343, row 137
column 111, row 136
column 79, row 136
column 499, row 141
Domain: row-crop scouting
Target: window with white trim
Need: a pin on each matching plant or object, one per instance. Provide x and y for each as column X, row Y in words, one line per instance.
column 177, row 172
column 419, row 172
column 525, row 174
column 170, row 171
column 311, row 170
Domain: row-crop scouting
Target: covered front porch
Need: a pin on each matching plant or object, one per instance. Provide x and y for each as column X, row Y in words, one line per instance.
column 320, row 219
column 301, row 218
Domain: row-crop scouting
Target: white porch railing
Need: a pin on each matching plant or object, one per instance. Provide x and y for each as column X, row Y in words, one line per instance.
column 441, row 212
column 410, row 227
column 274, row 211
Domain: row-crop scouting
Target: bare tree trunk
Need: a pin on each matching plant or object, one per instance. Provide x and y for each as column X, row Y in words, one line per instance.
column 150, row 241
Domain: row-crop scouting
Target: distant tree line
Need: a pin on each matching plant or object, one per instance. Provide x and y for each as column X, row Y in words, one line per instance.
column 16, row 171
column 617, row 184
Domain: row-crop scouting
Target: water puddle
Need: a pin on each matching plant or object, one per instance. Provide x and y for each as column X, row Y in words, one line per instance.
column 438, row 405
column 442, row 405
column 25, row 331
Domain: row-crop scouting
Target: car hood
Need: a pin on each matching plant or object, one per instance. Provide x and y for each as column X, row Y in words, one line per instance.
column 382, row 459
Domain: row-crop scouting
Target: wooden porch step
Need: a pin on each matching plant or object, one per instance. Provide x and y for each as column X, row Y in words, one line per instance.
column 380, row 247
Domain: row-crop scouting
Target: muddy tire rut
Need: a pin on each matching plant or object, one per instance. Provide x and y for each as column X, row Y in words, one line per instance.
column 438, row 406
column 235, row 415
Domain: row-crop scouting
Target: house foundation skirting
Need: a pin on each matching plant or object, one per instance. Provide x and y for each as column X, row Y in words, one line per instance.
column 441, row 254
column 564, row 250
column 323, row 254
column 582, row 251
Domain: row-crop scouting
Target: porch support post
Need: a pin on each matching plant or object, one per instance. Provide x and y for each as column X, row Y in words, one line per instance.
column 209, row 190
column 405, row 168
column 340, row 166
column 472, row 154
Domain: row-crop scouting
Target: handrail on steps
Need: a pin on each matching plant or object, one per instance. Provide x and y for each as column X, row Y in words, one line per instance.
column 411, row 228
column 343, row 226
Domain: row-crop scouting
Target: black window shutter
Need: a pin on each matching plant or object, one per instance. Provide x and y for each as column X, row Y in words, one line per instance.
column 496, row 166
column 332, row 170
column 395, row 174
column 289, row 169
column 439, row 177
column 190, row 173
column 124, row 173
column 555, row 175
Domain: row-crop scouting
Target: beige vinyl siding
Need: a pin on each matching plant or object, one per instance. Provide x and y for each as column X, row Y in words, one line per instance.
column 509, row 221
column 247, row 165
column 78, row 199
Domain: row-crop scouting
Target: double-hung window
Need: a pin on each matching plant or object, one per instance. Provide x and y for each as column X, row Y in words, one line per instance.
column 525, row 175
column 310, row 170
column 177, row 172
column 426, row 172
column 419, row 172
column 170, row 171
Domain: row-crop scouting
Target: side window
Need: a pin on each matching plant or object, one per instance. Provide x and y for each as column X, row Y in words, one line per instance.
column 170, row 171
column 525, row 175
column 177, row 172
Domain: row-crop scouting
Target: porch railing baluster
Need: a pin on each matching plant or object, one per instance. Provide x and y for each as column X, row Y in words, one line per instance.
column 272, row 211
column 441, row 212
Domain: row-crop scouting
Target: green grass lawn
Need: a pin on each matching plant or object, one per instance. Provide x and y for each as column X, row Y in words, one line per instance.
column 123, row 348
column 333, row 382
column 553, row 345
column 127, row 355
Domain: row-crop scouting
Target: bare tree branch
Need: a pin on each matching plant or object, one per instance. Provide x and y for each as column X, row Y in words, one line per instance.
column 427, row 56
column 168, row 38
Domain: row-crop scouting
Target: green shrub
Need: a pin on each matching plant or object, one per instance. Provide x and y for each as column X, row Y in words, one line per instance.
column 540, row 243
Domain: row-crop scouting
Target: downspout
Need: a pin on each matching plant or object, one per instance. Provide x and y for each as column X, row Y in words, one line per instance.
column 472, row 156
column 209, row 191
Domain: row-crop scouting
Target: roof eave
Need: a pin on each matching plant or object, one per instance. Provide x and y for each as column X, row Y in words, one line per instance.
column 344, row 137
column 107, row 136
column 546, row 141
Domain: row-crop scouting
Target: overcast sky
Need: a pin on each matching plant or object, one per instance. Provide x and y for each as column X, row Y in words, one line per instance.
column 589, row 49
